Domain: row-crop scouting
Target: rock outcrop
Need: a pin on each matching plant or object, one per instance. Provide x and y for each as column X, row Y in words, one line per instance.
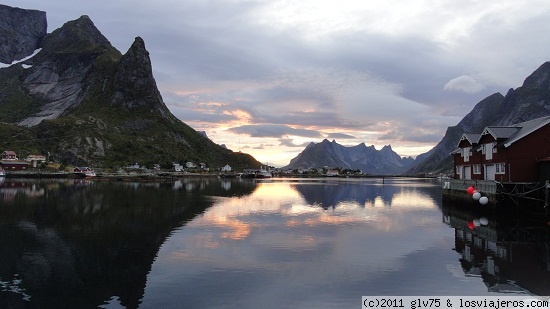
column 135, row 85
column 21, row 32
column 60, row 78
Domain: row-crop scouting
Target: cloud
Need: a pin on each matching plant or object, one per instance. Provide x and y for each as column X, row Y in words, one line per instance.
column 271, row 130
column 340, row 136
column 464, row 83
column 288, row 142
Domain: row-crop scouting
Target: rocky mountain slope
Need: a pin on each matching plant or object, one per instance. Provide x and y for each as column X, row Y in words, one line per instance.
column 21, row 32
column 84, row 102
column 367, row 159
column 530, row 101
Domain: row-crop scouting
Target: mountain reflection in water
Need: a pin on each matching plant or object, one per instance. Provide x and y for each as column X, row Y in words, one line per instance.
column 205, row 242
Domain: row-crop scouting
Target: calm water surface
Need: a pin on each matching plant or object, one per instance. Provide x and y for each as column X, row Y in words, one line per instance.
column 228, row 243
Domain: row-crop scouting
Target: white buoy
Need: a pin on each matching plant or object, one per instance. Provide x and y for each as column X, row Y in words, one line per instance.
column 477, row 222
column 483, row 200
column 476, row 195
column 483, row 221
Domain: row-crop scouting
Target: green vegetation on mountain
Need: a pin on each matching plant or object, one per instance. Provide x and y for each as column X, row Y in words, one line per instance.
column 84, row 102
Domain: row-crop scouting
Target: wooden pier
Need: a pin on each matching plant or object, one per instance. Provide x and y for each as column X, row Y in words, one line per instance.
column 499, row 192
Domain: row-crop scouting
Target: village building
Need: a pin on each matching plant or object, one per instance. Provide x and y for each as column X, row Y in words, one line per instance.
column 10, row 162
column 515, row 153
column 226, row 168
column 35, row 159
column 9, row 155
column 178, row 167
column 333, row 173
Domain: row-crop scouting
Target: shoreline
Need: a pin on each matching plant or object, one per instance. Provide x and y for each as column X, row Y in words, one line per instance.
column 161, row 176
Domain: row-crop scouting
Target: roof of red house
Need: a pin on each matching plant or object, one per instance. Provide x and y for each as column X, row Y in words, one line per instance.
column 527, row 128
column 508, row 134
column 473, row 138
column 501, row 132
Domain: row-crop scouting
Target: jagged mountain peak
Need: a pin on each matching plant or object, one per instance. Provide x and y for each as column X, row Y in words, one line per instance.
column 80, row 35
column 540, row 78
column 81, row 29
column 361, row 157
column 135, row 85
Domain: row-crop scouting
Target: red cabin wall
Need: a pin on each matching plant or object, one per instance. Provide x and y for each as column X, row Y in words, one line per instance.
column 524, row 155
column 521, row 159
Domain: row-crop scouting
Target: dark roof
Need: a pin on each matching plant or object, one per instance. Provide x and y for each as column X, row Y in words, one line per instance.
column 473, row 138
column 501, row 132
column 509, row 134
column 527, row 128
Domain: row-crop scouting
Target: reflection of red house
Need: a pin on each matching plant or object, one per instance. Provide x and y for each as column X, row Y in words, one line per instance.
column 513, row 153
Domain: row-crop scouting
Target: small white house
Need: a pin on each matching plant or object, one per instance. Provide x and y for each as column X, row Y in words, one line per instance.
column 190, row 165
column 178, row 167
column 226, row 168
column 35, row 159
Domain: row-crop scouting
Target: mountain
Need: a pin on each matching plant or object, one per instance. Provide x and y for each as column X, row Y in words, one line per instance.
column 83, row 102
column 21, row 32
column 530, row 101
column 367, row 159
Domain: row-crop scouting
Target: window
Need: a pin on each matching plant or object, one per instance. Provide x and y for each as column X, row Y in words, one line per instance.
column 459, row 169
column 477, row 168
column 487, row 149
column 500, row 168
column 466, row 153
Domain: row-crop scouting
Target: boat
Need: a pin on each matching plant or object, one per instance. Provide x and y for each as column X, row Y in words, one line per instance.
column 263, row 174
column 85, row 171
column 2, row 172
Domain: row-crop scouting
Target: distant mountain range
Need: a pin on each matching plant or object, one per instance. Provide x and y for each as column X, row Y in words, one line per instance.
column 83, row 102
column 367, row 159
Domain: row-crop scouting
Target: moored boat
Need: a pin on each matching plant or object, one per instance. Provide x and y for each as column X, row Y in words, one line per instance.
column 86, row 171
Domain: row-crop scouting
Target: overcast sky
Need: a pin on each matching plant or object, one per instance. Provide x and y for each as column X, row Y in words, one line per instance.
column 267, row 77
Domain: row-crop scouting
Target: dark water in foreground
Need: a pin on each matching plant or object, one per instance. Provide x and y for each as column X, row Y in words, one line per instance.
column 295, row 243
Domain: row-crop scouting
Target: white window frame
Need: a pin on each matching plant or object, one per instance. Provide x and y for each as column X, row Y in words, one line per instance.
column 488, row 151
column 466, row 153
column 459, row 170
column 500, row 168
column 476, row 169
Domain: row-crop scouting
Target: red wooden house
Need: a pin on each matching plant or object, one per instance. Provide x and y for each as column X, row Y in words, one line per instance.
column 515, row 153
column 9, row 161
column 9, row 155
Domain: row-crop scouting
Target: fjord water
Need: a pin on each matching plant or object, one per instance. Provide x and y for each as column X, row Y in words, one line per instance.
column 231, row 243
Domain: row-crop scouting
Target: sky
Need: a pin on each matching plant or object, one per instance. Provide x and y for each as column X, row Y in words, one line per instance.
column 268, row 77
